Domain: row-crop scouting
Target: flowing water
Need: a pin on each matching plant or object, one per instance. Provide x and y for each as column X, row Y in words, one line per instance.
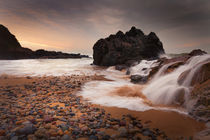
column 159, row 93
column 164, row 88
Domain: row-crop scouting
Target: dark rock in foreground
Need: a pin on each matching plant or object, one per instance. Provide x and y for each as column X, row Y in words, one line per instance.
column 120, row 48
column 10, row 48
column 138, row 79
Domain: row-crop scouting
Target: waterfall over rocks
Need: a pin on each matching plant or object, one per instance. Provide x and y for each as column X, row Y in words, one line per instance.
column 164, row 89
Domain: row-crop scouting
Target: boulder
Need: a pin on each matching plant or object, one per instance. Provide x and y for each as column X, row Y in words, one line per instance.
column 138, row 79
column 197, row 52
column 121, row 48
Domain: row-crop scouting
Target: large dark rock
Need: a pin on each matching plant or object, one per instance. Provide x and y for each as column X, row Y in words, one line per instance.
column 120, row 48
column 10, row 48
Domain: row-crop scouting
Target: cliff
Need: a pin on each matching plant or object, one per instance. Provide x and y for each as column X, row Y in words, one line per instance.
column 10, row 48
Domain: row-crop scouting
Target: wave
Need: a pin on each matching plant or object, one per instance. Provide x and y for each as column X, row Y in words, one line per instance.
column 160, row 93
column 164, row 89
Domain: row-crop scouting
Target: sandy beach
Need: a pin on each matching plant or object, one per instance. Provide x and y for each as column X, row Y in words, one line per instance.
column 48, row 107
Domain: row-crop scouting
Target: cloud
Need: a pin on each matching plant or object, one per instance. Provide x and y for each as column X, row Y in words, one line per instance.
column 69, row 20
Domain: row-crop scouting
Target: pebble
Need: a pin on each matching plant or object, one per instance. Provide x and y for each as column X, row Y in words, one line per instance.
column 106, row 137
column 40, row 133
column 65, row 137
column 60, row 132
column 31, row 116
column 2, row 132
column 47, row 119
column 64, row 127
column 122, row 131
column 14, row 138
column 93, row 137
column 27, row 129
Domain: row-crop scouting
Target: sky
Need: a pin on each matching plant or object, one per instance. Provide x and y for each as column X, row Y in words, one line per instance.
column 75, row 25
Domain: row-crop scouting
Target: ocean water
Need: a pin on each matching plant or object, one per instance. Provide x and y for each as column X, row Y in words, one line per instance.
column 119, row 92
column 46, row 67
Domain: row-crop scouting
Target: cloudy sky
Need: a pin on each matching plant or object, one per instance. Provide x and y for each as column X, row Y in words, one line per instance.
column 75, row 25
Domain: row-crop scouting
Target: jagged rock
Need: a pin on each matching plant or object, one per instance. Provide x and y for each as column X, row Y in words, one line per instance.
column 197, row 52
column 121, row 48
column 138, row 79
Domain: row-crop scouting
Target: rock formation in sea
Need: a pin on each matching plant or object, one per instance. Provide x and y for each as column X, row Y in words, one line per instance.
column 122, row 48
column 10, row 48
column 41, row 53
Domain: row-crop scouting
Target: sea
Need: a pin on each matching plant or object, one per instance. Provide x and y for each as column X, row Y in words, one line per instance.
column 158, row 94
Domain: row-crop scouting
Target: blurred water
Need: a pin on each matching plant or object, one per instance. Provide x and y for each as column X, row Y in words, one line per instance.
column 46, row 67
column 103, row 92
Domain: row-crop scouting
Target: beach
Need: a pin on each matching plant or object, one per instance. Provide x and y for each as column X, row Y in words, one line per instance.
column 50, row 107
column 104, row 70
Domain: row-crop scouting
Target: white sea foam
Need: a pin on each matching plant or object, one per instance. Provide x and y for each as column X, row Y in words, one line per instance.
column 47, row 67
column 98, row 92
column 102, row 92
column 143, row 68
column 161, row 90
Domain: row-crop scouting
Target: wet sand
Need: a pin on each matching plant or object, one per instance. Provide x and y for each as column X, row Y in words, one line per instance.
column 48, row 102
column 175, row 125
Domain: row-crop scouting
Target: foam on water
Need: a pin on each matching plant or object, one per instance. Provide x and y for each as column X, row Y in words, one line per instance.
column 46, row 67
column 106, row 93
column 143, row 68
column 98, row 92
column 161, row 90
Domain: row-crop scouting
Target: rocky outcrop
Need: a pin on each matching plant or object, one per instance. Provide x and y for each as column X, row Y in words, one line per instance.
column 200, row 76
column 53, row 54
column 138, row 79
column 197, row 52
column 201, row 93
column 120, row 48
column 198, row 97
column 10, row 48
column 176, row 61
